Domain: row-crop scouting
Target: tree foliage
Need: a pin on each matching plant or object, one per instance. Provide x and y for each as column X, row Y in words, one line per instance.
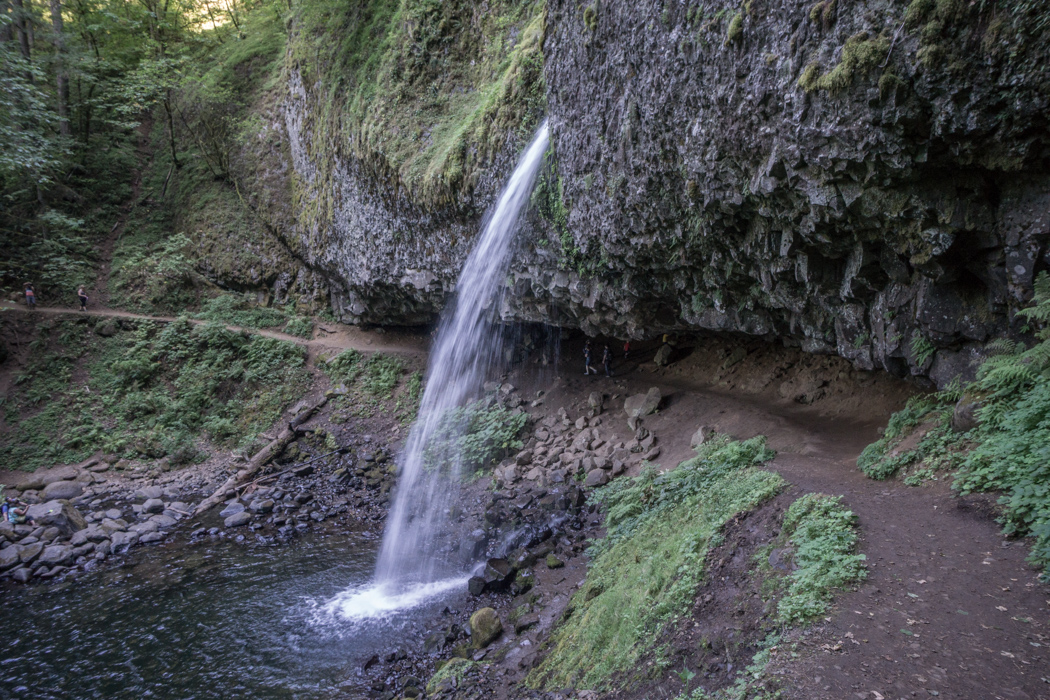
column 82, row 82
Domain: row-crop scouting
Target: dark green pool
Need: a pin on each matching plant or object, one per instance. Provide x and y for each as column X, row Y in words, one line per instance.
column 210, row 620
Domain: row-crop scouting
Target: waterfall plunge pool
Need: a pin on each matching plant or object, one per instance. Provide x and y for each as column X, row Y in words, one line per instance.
column 214, row 619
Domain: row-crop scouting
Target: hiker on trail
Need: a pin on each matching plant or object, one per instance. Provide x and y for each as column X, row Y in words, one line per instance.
column 82, row 295
column 626, row 348
column 30, row 295
column 607, row 360
column 587, row 367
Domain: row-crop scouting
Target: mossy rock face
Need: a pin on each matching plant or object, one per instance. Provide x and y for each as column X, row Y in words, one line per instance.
column 107, row 327
column 764, row 196
column 485, row 627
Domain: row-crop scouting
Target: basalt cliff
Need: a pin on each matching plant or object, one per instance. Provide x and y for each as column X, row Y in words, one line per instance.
column 870, row 179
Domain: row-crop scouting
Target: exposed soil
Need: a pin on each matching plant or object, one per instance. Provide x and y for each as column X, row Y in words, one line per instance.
column 950, row 608
column 729, row 619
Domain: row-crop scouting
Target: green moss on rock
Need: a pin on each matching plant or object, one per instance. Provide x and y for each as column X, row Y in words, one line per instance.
column 735, row 31
column 861, row 54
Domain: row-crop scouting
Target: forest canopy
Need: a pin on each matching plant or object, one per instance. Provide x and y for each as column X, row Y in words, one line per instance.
column 84, row 86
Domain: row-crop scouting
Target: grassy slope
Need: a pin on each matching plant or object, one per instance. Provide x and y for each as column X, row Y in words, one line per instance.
column 149, row 391
column 646, row 572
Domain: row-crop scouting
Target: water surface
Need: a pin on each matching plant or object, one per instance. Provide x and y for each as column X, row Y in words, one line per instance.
column 210, row 620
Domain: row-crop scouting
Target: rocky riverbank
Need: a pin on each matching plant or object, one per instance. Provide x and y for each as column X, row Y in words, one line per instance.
column 88, row 513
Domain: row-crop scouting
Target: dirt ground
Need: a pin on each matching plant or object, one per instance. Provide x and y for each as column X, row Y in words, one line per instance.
column 950, row 607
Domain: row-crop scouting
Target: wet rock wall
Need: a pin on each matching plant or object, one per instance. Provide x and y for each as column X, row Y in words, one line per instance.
column 868, row 179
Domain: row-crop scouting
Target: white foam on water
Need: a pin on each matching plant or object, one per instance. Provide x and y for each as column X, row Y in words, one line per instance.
column 378, row 601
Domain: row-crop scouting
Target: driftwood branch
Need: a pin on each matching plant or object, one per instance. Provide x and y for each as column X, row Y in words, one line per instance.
column 290, row 469
column 262, row 457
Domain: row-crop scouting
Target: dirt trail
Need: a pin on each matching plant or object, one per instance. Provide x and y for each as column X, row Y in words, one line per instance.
column 327, row 337
column 950, row 608
column 99, row 289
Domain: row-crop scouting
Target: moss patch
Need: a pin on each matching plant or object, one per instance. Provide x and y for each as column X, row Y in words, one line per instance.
column 425, row 94
column 647, row 569
column 861, row 54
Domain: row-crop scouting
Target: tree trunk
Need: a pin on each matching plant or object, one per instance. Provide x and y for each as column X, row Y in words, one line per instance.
column 171, row 130
column 21, row 23
column 61, row 76
column 262, row 457
column 6, row 30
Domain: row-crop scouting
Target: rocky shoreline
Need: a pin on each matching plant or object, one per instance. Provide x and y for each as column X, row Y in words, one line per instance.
column 85, row 514
column 528, row 519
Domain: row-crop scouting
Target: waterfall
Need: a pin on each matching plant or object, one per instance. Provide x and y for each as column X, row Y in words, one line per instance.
column 410, row 565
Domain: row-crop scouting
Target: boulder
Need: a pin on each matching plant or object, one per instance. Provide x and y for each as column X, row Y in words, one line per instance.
column 641, row 405
column 525, row 623
column 63, row 490
column 151, row 537
column 106, row 327
column 113, row 513
column 262, row 505
column 110, row 525
column 22, row 575
column 597, row 477
column 699, row 436
column 122, row 541
column 595, row 401
column 39, row 480
column 144, row 528
column 10, row 556
column 498, row 574
column 30, row 552
column 238, row 519
column 163, row 521
column 82, row 536
column 232, row 509
column 56, row 555
column 60, row 514
column 144, row 494
column 663, row 356
column 476, row 585
column 153, row 505
column 964, row 415
column 485, row 627
column 554, row 562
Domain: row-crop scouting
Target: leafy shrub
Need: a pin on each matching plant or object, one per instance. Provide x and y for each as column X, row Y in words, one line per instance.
column 1010, row 448
column 300, row 326
column 878, row 460
column 647, row 569
column 150, row 392
column 344, row 367
column 408, row 402
column 381, row 374
column 239, row 311
column 823, row 536
column 473, row 436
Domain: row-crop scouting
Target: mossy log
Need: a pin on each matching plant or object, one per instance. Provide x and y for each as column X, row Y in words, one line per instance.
column 262, row 457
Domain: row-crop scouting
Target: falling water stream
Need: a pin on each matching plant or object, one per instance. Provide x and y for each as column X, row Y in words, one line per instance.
column 223, row 618
column 411, row 566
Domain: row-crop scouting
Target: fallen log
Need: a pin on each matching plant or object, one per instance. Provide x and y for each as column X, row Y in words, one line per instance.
column 262, row 457
column 291, row 468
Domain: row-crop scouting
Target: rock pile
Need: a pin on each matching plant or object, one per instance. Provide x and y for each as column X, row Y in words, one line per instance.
column 561, row 450
column 61, row 538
